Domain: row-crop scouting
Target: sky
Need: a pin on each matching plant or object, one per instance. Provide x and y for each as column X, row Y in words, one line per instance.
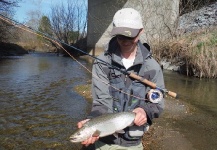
column 26, row 6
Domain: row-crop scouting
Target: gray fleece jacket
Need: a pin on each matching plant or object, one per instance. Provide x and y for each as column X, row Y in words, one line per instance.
column 102, row 98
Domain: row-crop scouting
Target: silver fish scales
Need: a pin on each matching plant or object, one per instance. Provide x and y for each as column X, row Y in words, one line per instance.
column 104, row 125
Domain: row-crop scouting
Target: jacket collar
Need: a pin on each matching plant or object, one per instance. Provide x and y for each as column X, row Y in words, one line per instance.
column 141, row 54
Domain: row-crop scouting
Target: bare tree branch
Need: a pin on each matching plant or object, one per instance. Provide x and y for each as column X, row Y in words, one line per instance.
column 68, row 22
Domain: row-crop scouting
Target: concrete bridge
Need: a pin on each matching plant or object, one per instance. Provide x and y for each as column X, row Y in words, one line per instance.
column 159, row 19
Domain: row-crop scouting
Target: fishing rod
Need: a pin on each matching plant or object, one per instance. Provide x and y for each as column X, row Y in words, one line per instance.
column 130, row 74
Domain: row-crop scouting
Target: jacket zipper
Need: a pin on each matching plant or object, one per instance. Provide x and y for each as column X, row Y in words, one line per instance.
column 125, row 79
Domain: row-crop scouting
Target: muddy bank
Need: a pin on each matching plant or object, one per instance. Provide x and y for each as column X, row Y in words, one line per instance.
column 162, row 134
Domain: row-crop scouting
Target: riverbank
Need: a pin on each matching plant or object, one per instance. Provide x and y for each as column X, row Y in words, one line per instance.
column 162, row 135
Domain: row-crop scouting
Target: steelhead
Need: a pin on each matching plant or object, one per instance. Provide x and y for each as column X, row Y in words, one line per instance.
column 104, row 125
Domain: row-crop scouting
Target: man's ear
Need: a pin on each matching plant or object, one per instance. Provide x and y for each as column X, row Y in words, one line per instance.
column 141, row 31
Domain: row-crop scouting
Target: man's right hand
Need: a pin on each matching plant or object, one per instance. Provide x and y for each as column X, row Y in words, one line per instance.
column 92, row 139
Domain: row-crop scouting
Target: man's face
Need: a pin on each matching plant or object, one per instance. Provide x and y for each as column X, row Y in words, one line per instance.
column 127, row 44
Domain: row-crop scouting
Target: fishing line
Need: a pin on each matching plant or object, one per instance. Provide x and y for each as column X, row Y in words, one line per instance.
column 39, row 33
column 30, row 30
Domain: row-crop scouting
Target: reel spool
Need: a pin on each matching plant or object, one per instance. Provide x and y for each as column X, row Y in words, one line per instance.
column 155, row 96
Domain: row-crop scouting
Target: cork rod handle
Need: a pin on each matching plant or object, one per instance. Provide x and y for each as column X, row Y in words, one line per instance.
column 151, row 84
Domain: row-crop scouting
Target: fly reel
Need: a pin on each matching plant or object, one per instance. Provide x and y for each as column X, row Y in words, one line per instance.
column 155, row 96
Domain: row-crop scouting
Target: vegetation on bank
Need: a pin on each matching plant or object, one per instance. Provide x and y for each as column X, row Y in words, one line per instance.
column 85, row 91
column 195, row 53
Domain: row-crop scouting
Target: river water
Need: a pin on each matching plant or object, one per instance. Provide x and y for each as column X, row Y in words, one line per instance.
column 200, row 128
column 39, row 108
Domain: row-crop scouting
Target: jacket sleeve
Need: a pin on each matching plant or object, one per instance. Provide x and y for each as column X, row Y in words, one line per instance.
column 154, row 110
column 102, row 101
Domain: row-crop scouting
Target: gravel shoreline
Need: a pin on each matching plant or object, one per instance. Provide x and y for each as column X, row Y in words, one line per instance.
column 162, row 134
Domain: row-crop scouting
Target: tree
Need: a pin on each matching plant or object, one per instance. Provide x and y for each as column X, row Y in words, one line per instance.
column 73, row 35
column 69, row 21
column 7, row 5
column 44, row 27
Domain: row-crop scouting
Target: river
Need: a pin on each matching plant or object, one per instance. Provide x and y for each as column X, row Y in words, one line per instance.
column 40, row 109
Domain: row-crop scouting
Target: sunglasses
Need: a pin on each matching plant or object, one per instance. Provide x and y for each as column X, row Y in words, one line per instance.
column 122, row 38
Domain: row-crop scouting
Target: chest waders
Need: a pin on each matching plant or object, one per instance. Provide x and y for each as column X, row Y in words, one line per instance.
column 127, row 95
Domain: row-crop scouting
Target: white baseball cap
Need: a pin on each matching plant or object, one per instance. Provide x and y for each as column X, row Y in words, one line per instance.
column 127, row 22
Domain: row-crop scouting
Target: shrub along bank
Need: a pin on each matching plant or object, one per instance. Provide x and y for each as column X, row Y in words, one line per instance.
column 193, row 48
column 192, row 54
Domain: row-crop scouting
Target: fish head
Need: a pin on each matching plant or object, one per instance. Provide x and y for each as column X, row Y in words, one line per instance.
column 81, row 135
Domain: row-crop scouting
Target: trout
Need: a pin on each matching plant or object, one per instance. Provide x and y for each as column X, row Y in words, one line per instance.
column 104, row 125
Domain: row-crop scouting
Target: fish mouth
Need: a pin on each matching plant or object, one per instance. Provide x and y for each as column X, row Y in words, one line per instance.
column 73, row 139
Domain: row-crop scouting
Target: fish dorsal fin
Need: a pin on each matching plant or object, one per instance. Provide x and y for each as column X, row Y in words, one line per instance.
column 96, row 133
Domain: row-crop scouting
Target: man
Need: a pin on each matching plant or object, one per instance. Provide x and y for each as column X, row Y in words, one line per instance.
column 114, row 91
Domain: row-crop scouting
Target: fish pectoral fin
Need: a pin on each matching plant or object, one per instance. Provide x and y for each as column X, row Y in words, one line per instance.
column 116, row 135
column 131, row 124
column 96, row 133
column 120, row 131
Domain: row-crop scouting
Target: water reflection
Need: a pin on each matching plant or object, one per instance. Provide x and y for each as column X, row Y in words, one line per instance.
column 39, row 108
column 201, row 127
column 199, row 92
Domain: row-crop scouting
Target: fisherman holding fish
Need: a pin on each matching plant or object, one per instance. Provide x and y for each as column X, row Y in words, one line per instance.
column 115, row 92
